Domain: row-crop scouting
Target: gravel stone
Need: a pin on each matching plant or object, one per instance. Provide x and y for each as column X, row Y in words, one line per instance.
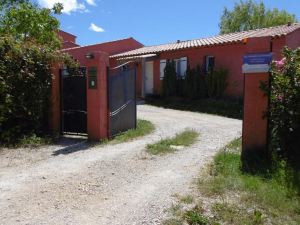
column 74, row 182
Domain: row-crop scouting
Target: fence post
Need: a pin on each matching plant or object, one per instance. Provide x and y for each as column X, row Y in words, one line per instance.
column 255, row 123
column 97, row 102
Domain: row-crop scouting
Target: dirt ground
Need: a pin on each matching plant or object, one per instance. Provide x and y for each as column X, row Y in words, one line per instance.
column 76, row 183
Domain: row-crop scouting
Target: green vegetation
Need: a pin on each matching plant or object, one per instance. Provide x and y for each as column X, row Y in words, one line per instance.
column 249, row 14
column 167, row 145
column 143, row 128
column 237, row 198
column 197, row 83
column 28, row 49
column 231, row 109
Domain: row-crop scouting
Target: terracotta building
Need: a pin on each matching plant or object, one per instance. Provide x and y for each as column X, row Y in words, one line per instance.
column 219, row 51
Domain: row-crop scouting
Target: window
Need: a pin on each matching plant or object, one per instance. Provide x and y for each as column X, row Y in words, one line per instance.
column 162, row 68
column 209, row 63
column 180, row 66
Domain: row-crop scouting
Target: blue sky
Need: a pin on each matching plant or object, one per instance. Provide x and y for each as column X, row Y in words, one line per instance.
column 149, row 21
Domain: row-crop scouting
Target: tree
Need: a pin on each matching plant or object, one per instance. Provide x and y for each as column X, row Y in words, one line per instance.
column 169, row 83
column 25, row 21
column 248, row 15
column 28, row 49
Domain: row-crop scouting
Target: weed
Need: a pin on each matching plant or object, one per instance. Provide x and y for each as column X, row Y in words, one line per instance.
column 143, row 128
column 164, row 146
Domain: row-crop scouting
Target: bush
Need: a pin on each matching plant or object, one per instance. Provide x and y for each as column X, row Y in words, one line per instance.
column 169, row 84
column 25, row 87
column 194, row 87
column 195, row 84
column 284, row 111
column 216, row 82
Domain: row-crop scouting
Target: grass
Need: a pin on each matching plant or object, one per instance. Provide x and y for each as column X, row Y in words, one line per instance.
column 238, row 198
column 227, row 108
column 185, row 138
column 143, row 128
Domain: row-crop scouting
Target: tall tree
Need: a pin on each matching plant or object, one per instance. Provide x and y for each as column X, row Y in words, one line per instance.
column 25, row 21
column 249, row 14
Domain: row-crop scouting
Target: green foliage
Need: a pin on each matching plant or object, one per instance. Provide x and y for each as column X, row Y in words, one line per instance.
column 27, row 22
column 284, row 111
column 143, row 128
column 28, row 50
column 216, row 82
column 193, row 217
column 169, row 84
column 232, row 109
column 270, row 193
column 248, row 15
column 25, row 85
column 164, row 146
column 194, row 86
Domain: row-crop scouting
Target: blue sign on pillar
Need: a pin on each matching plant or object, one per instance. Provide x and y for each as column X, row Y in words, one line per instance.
column 257, row 63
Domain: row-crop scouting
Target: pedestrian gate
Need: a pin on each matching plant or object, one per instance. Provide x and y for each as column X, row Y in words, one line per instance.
column 122, row 99
column 73, row 101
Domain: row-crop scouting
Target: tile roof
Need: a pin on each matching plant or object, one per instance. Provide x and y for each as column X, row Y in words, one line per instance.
column 231, row 38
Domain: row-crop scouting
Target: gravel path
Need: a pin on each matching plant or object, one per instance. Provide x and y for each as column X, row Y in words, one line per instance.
column 74, row 183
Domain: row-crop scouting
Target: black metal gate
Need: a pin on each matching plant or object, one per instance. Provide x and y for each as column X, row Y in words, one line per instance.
column 73, row 101
column 122, row 99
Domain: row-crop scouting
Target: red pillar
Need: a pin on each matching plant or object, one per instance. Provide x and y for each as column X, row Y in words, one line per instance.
column 255, row 122
column 97, row 99
column 54, row 121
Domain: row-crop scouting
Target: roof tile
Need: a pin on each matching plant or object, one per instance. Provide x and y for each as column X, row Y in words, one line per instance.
column 215, row 40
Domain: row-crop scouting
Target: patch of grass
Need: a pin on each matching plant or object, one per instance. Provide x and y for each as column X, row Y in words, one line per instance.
column 34, row 141
column 268, row 193
column 172, row 221
column 188, row 199
column 237, row 198
column 227, row 108
column 185, row 138
column 143, row 128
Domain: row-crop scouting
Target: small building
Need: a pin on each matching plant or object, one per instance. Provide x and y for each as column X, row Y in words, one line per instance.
column 96, row 99
column 225, row 51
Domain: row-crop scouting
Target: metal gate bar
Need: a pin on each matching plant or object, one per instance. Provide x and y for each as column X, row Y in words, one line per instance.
column 73, row 101
column 122, row 100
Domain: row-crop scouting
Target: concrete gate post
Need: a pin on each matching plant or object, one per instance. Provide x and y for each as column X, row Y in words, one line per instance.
column 97, row 96
column 255, row 123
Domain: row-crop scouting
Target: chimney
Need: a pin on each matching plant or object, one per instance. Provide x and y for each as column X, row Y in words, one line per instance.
column 178, row 41
column 289, row 23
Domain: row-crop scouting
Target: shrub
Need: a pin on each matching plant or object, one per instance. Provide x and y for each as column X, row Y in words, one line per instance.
column 25, row 87
column 194, row 86
column 284, row 111
column 169, row 84
column 216, row 82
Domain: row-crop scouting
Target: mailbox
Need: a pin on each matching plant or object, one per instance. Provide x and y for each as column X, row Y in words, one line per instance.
column 92, row 78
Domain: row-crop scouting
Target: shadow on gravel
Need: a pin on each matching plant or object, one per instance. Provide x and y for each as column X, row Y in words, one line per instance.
column 71, row 145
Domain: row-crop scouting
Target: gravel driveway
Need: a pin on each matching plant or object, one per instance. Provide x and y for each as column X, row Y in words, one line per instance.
column 74, row 183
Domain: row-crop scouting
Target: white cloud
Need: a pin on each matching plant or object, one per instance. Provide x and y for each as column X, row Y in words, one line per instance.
column 69, row 5
column 94, row 27
column 91, row 2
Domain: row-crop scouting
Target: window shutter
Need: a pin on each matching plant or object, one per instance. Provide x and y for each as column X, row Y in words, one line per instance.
column 162, row 68
column 183, row 66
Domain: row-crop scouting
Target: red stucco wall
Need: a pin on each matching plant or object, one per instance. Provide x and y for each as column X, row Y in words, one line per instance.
column 65, row 36
column 111, row 48
column 229, row 57
column 293, row 39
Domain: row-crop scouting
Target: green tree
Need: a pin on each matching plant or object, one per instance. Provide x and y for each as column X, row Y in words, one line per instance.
column 25, row 22
column 249, row 14
column 28, row 49
column 169, row 84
